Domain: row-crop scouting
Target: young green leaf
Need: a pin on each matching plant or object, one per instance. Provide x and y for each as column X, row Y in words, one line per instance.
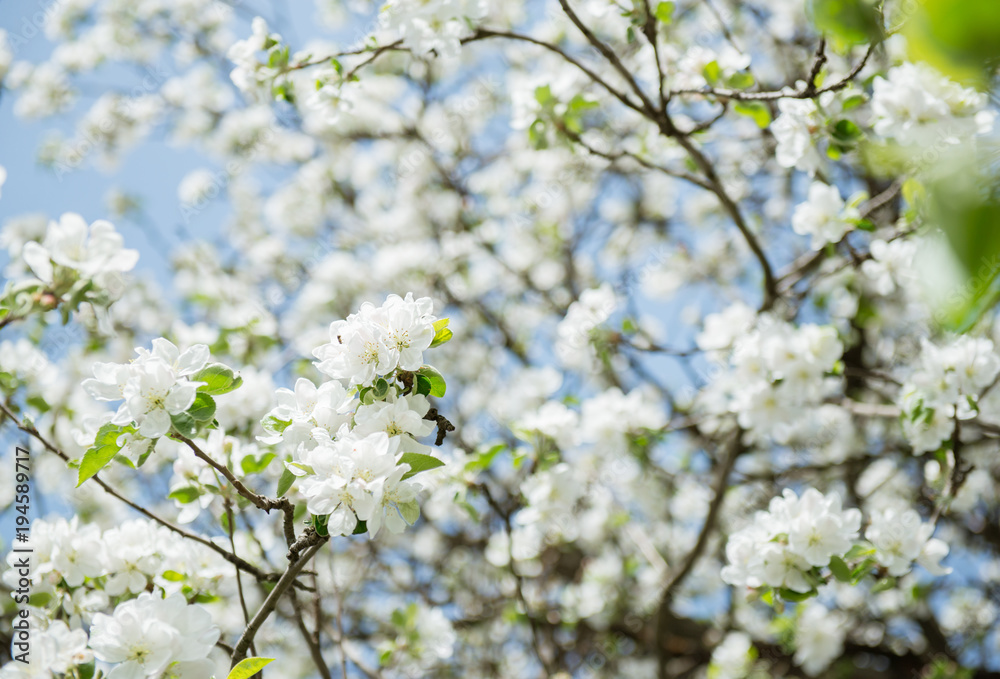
column 203, row 408
column 419, row 463
column 255, row 465
column 217, row 378
column 185, row 495
column 104, row 450
column 792, row 595
column 757, row 110
column 285, row 482
column 840, row 570
column 249, row 667
column 435, row 379
column 441, row 333
column 185, row 424
column 665, row 12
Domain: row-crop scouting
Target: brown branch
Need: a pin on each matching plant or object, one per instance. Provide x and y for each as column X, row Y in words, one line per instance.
column 287, row 580
column 725, row 468
column 243, row 565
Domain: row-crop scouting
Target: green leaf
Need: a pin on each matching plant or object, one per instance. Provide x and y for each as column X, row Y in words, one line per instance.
column 361, row 528
column 543, row 95
column 87, row 671
column 285, row 482
column 859, row 550
column 249, row 667
column 436, row 379
column 104, row 450
column 255, row 465
column 861, row 570
column 185, row 495
column 272, row 425
column 665, row 12
column 319, row 523
column 740, row 81
column 39, row 599
column 419, row 463
column 792, row 595
column 304, row 467
column 482, row 461
column 884, row 584
column 380, row 388
column 850, row 21
column 964, row 201
column 203, row 408
column 173, row 576
column 185, row 424
column 846, row 131
column 441, row 332
column 757, row 110
column 853, row 102
column 218, row 379
column 840, row 570
column 962, row 39
column 712, row 71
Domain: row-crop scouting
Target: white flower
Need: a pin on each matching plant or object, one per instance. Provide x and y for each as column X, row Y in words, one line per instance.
column 732, row 658
column 374, row 341
column 821, row 529
column 152, row 394
column 900, row 538
column 890, row 266
column 78, row 552
column 435, row 25
column 823, row 216
column 132, row 557
column 409, row 326
column 819, row 638
column 403, row 417
column 395, row 502
column 56, row 648
column 153, row 387
column 793, row 536
column 915, row 104
column 145, row 635
column 345, row 478
column 305, row 409
column 96, row 252
column 583, row 316
column 183, row 364
column 793, row 129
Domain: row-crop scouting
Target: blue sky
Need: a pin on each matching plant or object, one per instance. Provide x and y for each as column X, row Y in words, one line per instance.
column 151, row 171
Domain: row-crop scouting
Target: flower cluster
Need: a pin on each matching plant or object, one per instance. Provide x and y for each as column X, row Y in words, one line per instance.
column 155, row 637
column 779, row 376
column 900, row 538
column 79, row 572
column 54, row 649
column 946, row 387
column 576, row 331
column 914, row 104
column 376, row 341
column 824, row 216
column 785, row 546
column 153, row 388
column 436, row 26
column 250, row 75
column 73, row 263
column 353, row 439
